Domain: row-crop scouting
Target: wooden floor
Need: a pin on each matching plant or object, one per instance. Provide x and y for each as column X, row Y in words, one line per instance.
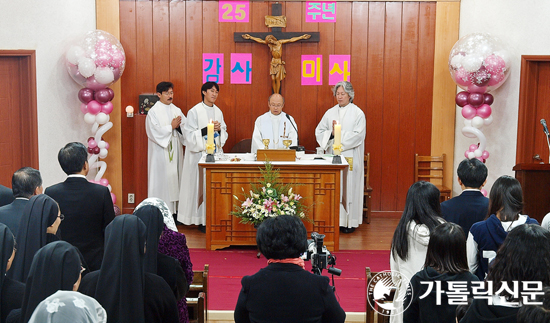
column 374, row 236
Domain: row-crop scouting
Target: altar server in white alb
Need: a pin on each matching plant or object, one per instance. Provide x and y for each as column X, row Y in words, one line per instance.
column 164, row 125
column 353, row 132
column 190, row 211
column 274, row 125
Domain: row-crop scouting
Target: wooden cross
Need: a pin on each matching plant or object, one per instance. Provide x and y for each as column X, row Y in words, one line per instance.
column 274, row 40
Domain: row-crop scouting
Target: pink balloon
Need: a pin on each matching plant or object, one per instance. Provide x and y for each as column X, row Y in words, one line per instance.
column 497, row 79
column 93, row 84
column 113, row 197
column 475, row 99
column 96, row 150
column 494, row 64
column 484, row 192
column 468, row 112
column 462, row 77
column 472, row 147
column 107, row 145
column 485, row 154
column 92, row 144
column 466, row 153
column 461, row 98
column 484, row 111
column 488, row 98
column 104, row 181
column 85, row 95
column 83, row 108
column 102, row 96
column 112, row 93
column 94, row 107
column 117, row 59
column 103, row 45
column 477, row 89
column 481, row 77
column 103, row 59
column 480, row 159
column 107, row 108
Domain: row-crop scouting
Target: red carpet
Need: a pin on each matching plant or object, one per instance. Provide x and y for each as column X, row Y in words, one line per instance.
column 228, row 266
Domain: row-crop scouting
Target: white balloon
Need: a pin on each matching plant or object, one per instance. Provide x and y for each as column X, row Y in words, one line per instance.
column 467, row 122
column 104, row 75
column 104, row 152
column 487, row 121
column 102, row 118
column 74, row 54
column 101, row 144
column 472, row 63
column 477, row 153
column 471, row 155
column 456, row 61
column 86, row 66
column 89, row 118
column 484, row 49
column 477, row 122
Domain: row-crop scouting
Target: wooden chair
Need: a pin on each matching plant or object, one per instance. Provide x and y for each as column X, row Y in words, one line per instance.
column 372, row 315
column 427, row 168
column 197, row 297
column 367, row 191
column 243, row 146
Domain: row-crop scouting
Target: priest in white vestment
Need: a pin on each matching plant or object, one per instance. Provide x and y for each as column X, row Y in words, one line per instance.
column 191, row 208
column 274, row 125
column 353, row 133
column 165, row 151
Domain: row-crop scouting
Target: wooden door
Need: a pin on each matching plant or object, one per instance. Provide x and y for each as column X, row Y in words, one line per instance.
column 18, row 127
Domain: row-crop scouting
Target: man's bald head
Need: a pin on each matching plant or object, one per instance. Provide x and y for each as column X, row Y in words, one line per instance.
column 276, row 102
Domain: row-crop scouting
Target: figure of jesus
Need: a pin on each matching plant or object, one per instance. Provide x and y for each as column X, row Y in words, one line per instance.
column 277, row 68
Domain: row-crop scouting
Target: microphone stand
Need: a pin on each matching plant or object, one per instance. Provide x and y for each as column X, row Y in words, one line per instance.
column 296, row 129
column 548, row 142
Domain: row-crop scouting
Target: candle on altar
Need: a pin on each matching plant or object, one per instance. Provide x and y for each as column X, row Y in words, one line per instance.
column 210, row 133
column 337, row 134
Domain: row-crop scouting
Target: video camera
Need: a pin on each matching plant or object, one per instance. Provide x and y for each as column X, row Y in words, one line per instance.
column 319, row 255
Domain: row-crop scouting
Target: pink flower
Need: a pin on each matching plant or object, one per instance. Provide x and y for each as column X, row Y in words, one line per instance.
column 269, row 203
column 247, row 203
column 284, row 198
column 297, row 197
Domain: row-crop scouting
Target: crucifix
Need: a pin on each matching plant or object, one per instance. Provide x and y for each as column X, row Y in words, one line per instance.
column 275, row 40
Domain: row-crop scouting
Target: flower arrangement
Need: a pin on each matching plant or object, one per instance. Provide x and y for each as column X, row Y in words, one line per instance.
column 269, row 199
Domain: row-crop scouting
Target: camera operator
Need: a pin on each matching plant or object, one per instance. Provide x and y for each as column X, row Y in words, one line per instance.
column 284, row 291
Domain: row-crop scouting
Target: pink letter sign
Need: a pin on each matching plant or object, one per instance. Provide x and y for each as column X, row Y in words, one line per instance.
column 234, row 11
column 241, row 68
column 312, row 69
column 338, row 68
column 320, row 11
column 212, row 68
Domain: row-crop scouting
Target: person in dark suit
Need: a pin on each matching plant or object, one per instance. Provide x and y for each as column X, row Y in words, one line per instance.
column 284, row 291
column 470, row 206
column 6, row 195
column 88, row 207
column 26, row 182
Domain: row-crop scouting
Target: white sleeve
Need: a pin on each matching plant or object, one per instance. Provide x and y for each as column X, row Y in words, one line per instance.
column 192, row 133
column 223, row 131
column 546, row 222
column 355, row 137
column 323, row 131
column 160, row 135
column 293, row 134
column 256, row 137
column 471, row 253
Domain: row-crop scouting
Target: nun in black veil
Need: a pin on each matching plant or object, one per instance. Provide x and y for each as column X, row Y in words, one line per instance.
column 55, row 267
column 157, row 263
column 11, row 291
column 38, row 226
column 122, row 286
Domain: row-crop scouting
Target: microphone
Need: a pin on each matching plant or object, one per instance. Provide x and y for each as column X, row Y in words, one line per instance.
column 544, row 126
column 298, row 138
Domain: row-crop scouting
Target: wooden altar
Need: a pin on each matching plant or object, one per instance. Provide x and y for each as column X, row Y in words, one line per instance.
column 318, row 181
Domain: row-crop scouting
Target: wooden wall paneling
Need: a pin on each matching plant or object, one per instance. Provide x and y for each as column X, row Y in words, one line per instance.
column 261, row 60
column 244, row 98
column 426, row 41
column 28, row 104
column 227, row 100
column 292, row 89
column 541, row 110
column 444, row 89
column 144, row 25
column 342, row 39
column 374, row 91
column 109, row 21
column 194, row 50
column 325, row 97
column 128, row 40
column 390, row 119
column 178, row 54
column 408, row 95
column 310, row 101
column 161, row 43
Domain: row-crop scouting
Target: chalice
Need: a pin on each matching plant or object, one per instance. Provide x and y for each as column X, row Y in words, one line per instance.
column 266, row 143
column 286, row 143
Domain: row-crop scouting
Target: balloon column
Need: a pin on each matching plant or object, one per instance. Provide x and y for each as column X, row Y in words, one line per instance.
column 96, row 61
column 478, row 63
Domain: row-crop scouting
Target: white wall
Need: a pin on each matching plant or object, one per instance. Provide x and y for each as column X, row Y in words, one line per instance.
column 48, row 27
column 523, row 26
